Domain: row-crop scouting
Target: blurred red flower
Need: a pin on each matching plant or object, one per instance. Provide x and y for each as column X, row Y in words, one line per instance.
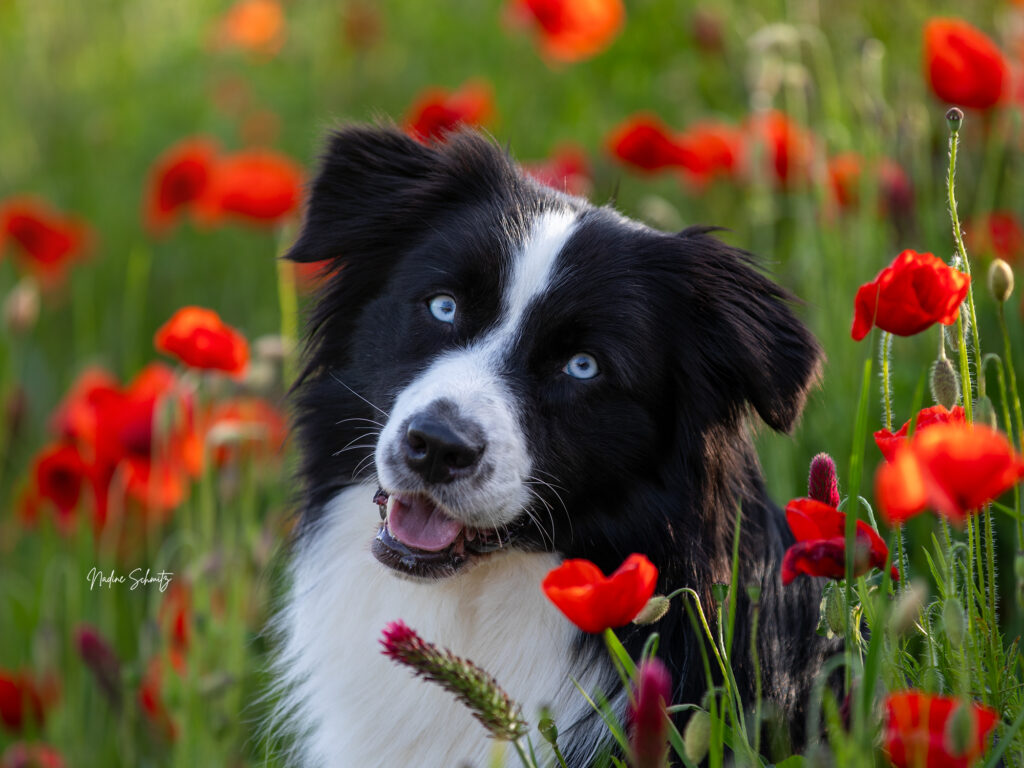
column 572, row 30
column 177, row 180
column 567, row 170
column 175, row 619
column 711, row 150
column 914, row 292
column 102, row 661
column 257, row 26
column 963, row 65
column 997, row 234
column 820, row 549
column 150, row 697
column 953, row 468
column 845, row 173
column 113, row 430
column 24, row 700
column 784, row 147
column 595, row 602
column 644, row 142
column 888, row 442
column 200, row 339
column 22, row 755
column 258, row 186
column 436, row 112
column 59, row 473
column 918, row 731
column 648, row 737
column 245, row 426
column 47, row 242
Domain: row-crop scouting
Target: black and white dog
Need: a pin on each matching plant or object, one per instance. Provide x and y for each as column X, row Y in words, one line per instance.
column 527, row 378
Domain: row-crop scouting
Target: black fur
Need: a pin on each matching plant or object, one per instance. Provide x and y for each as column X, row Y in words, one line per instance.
column 654, row 456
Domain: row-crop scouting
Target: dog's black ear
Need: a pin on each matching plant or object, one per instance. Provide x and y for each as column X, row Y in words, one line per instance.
column 761, row 351
column 365, row 194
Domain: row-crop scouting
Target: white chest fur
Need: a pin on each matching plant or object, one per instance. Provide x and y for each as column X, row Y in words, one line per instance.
column 354, row 708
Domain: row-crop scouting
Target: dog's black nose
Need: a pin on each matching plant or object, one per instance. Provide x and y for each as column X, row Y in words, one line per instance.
column 438, row 449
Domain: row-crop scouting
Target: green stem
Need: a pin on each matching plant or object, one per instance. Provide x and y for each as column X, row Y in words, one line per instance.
column 886, row 345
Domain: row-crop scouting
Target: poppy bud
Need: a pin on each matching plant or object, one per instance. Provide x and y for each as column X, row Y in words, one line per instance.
column 547, row 726
column 955, row 118
column 907, row 608
column 656, row 607
column 953, row 621
column 21, row 307
column 754, row 593
column 697, row 736
column 985, row 413
column 932, row 680
column 944, row 383
column 835, row 612
column 959, row 732
column 1000, row 280
column 719, row 592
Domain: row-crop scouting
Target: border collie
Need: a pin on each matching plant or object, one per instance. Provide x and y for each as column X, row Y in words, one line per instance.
column 499, row 376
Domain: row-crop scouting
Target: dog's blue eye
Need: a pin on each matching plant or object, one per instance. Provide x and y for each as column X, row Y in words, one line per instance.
column 442, row 307
column 581, row 366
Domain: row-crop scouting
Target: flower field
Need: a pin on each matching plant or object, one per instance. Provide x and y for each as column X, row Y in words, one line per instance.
column 153, row 163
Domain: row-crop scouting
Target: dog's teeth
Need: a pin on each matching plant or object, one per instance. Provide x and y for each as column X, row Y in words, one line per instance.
column 470, row 534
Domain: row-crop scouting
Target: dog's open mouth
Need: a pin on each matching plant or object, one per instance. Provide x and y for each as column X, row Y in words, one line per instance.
column 418, row 538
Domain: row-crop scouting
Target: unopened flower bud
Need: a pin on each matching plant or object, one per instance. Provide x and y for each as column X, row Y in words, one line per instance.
column 21, row 307
column 649, row 733
column 719, row 592
column 835, row 611
column 546, row 726
column 1000, row 280
column 754, row 593
column 932, row 680
column 944, row 383
column 955, row 119
column 908, row 607
column 960, row 729
column 697, row 736
column 985, row 413
column 953, row 621
column 656, row 607
column 822, row 483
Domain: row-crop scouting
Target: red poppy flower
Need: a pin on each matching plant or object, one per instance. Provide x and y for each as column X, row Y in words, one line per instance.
column 59, row 474
column 75, row 417
column 177, row 180
column 23, row 701
column 47, row 242
column 151, row 702
column 998, row 234
column 712, row 150
column 257, row 26
column 644, row 142
column 888, row 442
column 918, row 731
column 963, row 65
column 952, row 468
column 648, row 736
column 245, row 426
column 845, row 172
column 257, row 186
column 567, row 170
column 595, row 602
column 785, row 148
column 21, row 755
column 175, row 618
column 572, row 30
column 820, row 549
column 436, row 112
column 914, row 292
column 200, row 339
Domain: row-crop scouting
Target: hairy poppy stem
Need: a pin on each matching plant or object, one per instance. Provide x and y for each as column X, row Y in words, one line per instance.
column 886, row 345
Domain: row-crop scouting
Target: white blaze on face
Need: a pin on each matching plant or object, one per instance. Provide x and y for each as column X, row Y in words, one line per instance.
column 470, row 379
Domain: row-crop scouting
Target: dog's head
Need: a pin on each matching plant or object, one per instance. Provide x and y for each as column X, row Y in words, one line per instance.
column 511, row 362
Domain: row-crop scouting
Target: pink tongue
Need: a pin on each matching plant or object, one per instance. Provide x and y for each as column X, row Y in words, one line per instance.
column 416, row 522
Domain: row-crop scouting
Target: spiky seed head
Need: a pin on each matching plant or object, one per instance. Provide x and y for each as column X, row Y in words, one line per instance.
column 835, row 612
column 1000, row 280
column 944, row 383
column 656, row 607
column 822, row 482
